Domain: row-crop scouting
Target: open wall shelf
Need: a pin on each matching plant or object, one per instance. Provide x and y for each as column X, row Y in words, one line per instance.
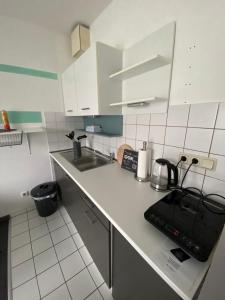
column 149, row 64
column 136, row 102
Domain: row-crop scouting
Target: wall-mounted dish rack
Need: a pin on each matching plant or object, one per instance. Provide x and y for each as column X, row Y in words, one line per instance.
column 10, row 137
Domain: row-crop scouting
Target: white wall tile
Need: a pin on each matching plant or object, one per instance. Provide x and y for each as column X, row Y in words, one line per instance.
column 220, row 122
column 172, row 153
column 130, row 119
column 178, row 115
column 192, row 179
column 120, row 141
column 212, row 185
column 143, row 119
column 131, row 143
column 130, row 131
column 157, row 134
column 203, row 115
column 142, row 132
column 158, row 119
column 157, row 150
column 175, row 136
column 218, row 170
column 218, row 143
column 198, row 139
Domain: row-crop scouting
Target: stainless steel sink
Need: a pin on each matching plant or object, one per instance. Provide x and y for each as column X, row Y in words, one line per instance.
column 89, row 159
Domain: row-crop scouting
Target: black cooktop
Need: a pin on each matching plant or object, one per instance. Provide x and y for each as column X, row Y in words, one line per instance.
column 192, row 224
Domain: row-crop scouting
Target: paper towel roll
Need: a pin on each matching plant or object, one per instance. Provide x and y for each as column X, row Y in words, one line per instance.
column 149, row 160
column 142, row 169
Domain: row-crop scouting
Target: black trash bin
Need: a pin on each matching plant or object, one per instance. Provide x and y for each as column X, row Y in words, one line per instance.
column 45, row 198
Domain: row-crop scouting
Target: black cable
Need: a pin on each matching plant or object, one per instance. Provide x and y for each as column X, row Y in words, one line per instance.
column 185, row 174
column 204, row 201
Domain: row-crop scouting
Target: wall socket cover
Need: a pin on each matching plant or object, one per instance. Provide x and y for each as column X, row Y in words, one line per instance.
column 203, row 161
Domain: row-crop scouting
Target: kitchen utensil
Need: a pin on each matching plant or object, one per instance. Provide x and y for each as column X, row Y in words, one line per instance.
column 164, row 175
column 120, row 152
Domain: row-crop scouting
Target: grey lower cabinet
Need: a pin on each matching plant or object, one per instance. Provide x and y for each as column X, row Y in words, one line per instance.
column 133, row 278
column 92, row 225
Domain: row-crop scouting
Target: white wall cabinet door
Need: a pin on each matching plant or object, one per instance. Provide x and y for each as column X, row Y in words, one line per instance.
column 69, row 88
column 86, row 79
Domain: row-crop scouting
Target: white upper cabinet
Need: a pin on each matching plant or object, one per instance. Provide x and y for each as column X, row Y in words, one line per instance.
column 89, row 91
column 70, row 91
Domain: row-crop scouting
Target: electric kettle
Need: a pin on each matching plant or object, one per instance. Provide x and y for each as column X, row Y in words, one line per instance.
column 164, row 175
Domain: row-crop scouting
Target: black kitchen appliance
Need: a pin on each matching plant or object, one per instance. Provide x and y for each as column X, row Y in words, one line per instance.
column 164, row 175
column 187, row 220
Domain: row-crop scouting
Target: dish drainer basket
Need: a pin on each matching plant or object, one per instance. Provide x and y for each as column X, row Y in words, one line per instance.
column 10, row 137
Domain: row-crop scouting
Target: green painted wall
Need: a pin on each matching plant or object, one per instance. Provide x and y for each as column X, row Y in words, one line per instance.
column 27, row 71
column 17, row 117
column 110, row 124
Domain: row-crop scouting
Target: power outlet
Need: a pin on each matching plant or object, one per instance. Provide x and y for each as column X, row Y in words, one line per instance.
column 24, row 194
column 203, row 161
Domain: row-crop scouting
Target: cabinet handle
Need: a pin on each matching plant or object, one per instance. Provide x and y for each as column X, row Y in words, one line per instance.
column 92, row 220
column 85, row 108
column 69, row 110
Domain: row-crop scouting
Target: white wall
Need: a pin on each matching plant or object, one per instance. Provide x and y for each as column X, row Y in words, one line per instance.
column 199, row 23
column 26, row 45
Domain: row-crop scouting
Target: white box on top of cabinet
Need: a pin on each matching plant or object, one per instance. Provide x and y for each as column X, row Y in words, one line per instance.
column 87, row 88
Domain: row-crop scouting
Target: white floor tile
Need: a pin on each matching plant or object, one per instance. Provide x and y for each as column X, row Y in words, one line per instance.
column 67, row 218
column 60, row 234
column 95, row 274
column 53, row 216
column 20, row 255
column 56, row 223
column 27, row 291
column 65, row 248
column 105, row 292
column 81, row 285
column 38, row 232
column 95, row 296
column 32, row 214
column 20, row 228
column 50, row 280
column 63, row 211
column 60, row 293
column 45, row 260
column 18, row 212
column 20, row 240
column 86, row 255
column 35, row 222
column 78, row 241
column 72, row 228
column 72, row 265
column 42, row 244
column 19, row 219
column 23, row 273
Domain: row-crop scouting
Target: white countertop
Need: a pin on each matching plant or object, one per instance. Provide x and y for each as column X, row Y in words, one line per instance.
column 123, row 200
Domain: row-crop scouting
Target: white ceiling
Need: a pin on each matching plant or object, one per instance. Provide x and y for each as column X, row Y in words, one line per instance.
column 58, row 15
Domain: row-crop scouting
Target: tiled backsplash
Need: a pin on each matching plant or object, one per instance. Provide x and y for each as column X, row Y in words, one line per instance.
column 198, row 129
column 57, row 125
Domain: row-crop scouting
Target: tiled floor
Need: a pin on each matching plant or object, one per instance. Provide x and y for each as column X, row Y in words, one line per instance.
column 50, row 261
